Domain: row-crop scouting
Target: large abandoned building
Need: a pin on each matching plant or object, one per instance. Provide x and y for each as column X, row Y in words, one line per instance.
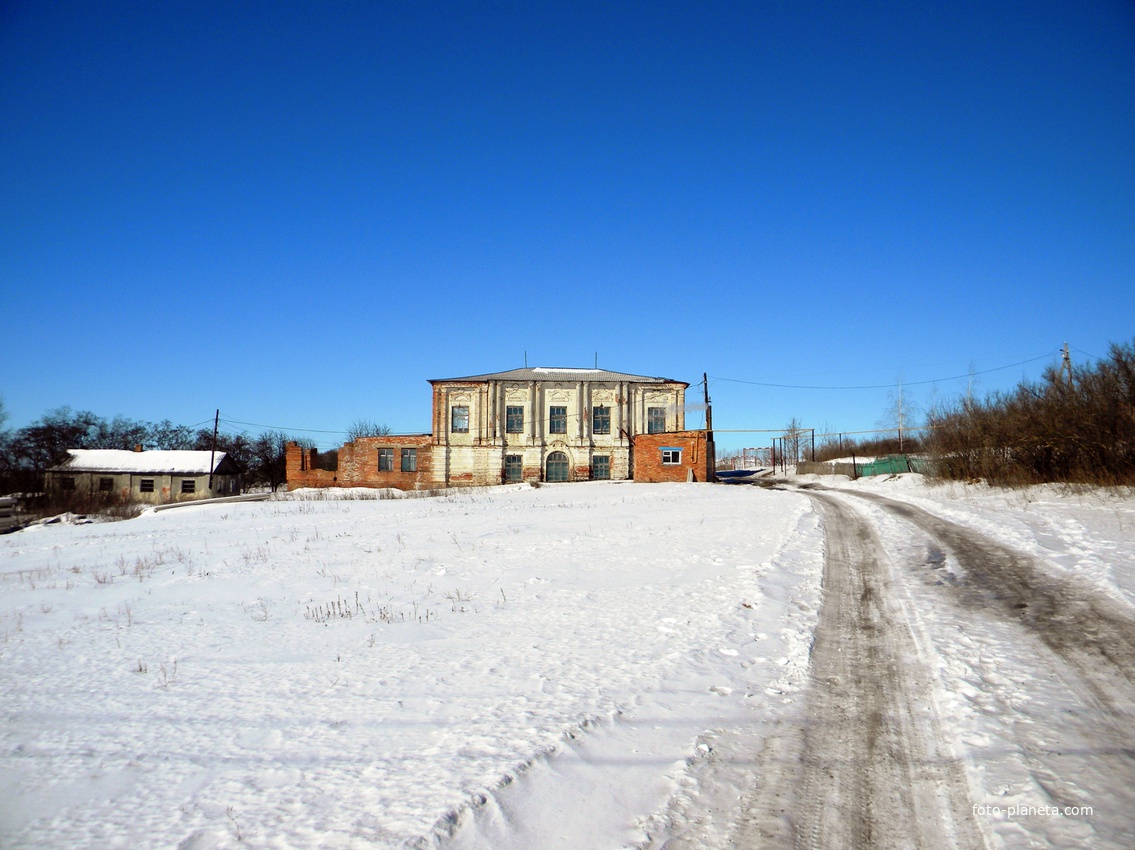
column 530, row 424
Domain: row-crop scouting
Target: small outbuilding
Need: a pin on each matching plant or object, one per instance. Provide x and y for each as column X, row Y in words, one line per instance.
column 672, row 456
column 156, row 477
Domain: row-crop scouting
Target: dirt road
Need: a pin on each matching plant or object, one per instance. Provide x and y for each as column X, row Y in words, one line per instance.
column 950, row 674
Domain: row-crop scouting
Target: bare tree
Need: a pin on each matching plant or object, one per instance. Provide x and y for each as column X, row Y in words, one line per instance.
column 366, row 428
column 269, row 459
column 900, row 415
column 165, row 435
column 794, row 439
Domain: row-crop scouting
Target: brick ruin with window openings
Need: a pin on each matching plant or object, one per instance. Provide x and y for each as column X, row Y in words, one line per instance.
column 525, row 425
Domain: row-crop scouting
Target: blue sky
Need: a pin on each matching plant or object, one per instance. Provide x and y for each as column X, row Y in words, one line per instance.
column 299, row 212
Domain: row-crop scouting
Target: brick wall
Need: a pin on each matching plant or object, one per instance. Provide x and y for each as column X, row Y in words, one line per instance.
column 358, row 465
column 648, row 465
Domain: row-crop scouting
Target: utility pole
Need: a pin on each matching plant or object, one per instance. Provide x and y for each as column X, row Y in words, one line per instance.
column 710, row 450
column 1066, row 366
column 900, row 417
column 213, row 453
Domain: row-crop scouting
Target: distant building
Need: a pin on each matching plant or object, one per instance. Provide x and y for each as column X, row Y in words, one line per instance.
column 530, row 424
column 144, row 476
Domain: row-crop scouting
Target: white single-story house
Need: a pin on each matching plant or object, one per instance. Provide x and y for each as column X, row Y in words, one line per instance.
column 145, row 476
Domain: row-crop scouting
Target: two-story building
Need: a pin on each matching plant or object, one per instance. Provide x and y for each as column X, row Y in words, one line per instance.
column 548, row 424
column 530, row 424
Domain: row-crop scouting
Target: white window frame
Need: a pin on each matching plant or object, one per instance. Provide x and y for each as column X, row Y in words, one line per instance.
column 409, row 460
column 459, row 419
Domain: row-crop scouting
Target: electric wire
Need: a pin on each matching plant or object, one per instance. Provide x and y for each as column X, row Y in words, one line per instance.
column 881, row 386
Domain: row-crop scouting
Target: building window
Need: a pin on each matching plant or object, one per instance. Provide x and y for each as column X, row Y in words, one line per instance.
column 459, row 419
column 514, row 420
column 671, row 457
column 386, row 460
column 601, row 420
column 557, row 467
column 106, row 485
column 409, row 460
column 188, row 485
column 146, row 485
column 557, row 420
column 67, row 482
column 655, row 420
column 513, row 469
column 601, row 468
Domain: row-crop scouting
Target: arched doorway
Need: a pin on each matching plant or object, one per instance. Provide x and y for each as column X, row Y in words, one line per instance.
column 556, row 467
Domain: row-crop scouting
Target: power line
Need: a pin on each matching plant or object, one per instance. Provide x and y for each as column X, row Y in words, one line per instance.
column 279, row 427
column 882, row 386
column 1087, row 354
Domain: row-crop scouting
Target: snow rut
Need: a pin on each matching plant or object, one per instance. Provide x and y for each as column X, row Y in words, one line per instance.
column 1052, row 667
column 877, row 769
column 1094, row 634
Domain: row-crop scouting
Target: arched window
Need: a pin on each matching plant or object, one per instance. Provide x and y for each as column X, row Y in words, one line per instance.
column 556, row 468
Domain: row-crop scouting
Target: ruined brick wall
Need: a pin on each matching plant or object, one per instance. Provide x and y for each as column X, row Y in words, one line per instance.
column 359, row 464
column 301, row 471
column 648, row 456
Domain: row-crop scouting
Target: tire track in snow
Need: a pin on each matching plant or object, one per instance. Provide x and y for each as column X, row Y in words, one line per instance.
column 877, row 770
column 1090, row 631
column 1058, row 673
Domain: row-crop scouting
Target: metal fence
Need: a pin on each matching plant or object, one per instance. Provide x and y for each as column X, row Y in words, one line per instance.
column 890, row 465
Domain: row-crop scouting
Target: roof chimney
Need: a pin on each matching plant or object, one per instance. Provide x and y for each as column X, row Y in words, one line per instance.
column 137, row 447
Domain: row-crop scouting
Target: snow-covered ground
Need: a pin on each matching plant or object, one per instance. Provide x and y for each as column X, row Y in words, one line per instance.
column 501, row 668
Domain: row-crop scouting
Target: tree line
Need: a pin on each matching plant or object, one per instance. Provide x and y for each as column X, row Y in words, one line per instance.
column 1076, row 427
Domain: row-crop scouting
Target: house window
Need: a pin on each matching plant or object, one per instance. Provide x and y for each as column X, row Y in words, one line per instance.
column 188, row 485
column 514, row 420
column 67, row 482
column 601, row 420
column 557, row 420
column 459, row 419
column 655, row 420
column 671, row 456
column 513, row 469
column 409, row 460
column 557, row 467
column 106, row 485
column 146, row 485
column 386, row 460
column 601, row 468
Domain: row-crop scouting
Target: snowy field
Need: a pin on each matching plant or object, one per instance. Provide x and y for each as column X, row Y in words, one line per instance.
column 501, row 668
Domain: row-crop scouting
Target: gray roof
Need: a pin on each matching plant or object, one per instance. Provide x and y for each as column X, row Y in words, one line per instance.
column 546, row 373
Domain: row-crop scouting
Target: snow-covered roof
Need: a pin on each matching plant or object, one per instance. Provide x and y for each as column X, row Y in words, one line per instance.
column 556, row 373
column 157, row 462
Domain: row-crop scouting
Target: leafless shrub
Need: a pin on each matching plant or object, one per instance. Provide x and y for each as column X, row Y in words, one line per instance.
column 1078, row 429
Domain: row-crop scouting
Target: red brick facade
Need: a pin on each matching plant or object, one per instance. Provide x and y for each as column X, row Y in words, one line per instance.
column 655, row 456
column 359, row 464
